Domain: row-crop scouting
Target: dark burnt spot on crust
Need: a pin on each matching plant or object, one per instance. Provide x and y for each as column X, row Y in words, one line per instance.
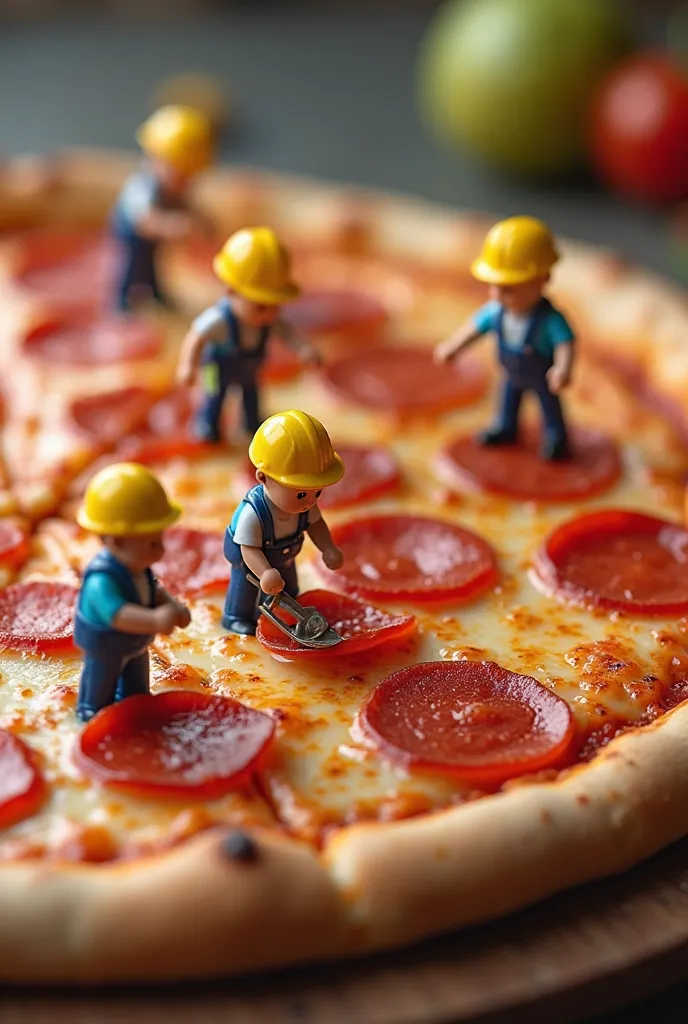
column 240, row 847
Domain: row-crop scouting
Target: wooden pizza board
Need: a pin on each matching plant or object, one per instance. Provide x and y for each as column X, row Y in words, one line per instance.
column 583, row 952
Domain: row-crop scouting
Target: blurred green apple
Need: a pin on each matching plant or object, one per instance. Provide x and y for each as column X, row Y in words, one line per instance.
column 510, row 80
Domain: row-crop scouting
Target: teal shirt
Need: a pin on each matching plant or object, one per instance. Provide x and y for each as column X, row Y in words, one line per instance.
column 554, row 329
column 101, row 599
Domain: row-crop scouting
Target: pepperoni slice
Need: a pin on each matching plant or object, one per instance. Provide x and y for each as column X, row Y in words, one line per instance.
column 176, row 744
column 67, row 270
column 405, row 381
column 37, row 616
column 166, row 432
column 618, row 559
column 22, row 788
column 518, row 471
column 362, row 625
column 351, row 314
column 371, row 470
column 14, row 543
column 411, row 558
column 193, row 563
column 108, row 416
column 82, row 341
column 472, row 719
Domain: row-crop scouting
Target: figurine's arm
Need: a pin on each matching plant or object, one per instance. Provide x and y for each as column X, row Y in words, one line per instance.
column 189, row 357
column 466, row 335
column 163, row 597
column 303, row 348
column 559, row 374
column 271, row 581
column 165, row 225
column 133, row 618
column 319, row 532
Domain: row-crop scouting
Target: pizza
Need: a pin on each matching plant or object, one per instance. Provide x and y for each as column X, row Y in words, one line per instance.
column 504, row 716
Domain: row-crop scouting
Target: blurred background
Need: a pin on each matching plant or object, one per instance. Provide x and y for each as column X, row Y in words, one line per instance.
column 572, row 110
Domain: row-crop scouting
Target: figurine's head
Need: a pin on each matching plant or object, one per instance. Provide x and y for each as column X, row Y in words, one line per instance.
column 255, row 268
column 179, row 143
column 137, row 551
column 127, row 507
column 516, row 259
column 294, row 460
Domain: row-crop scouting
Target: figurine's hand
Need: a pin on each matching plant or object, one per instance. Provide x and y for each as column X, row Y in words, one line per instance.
column 333, row 557
column 271, row 582
column 311, row 357
column 445, row 351
column 557, row 379
column 183, row 615
column 186, row 375
column 165, row 618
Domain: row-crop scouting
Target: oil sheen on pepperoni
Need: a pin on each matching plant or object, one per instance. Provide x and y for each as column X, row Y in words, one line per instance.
column 402, row 557
column 473, row 719
column 175, row 744
column 22, row 788
column 193, row 563
column 617, row 559
column 37, row 616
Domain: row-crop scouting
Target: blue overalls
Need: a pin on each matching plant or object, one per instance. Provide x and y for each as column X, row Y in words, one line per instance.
column 115, row 663
column 137, row 268
column 243, row 599
column 526, row 370
column 225, row 364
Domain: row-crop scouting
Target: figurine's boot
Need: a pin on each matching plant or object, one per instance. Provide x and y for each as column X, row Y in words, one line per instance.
column 496, row 435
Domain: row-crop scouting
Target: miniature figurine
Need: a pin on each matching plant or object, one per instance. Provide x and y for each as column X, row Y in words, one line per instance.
column 228, row 341
column 535, row 342
column 121, row 605
column 152, row 206
column 294, row 461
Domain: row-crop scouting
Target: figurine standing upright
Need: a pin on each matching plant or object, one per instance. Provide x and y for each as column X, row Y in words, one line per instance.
column 121, row 605
column 294, row 461
column 228, row 341
column 153, row 206
column 535, row 341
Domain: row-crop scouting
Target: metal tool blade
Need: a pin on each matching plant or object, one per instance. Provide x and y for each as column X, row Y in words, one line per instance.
column 311, row 628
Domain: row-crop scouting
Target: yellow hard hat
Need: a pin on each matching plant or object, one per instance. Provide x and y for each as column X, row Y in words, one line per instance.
column 180, row 135
column 254, row 263
column 295, row 449
column 126, row 499
column 515, row 251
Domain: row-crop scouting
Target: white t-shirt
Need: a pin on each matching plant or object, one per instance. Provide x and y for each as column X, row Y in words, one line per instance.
column 211, row 325
column 249, row 532
column 514, row 328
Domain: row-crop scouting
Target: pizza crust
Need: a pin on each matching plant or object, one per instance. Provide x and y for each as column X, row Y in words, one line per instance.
column 191, row 911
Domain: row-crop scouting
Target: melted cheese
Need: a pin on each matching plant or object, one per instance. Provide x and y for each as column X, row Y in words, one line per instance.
column 609, row 668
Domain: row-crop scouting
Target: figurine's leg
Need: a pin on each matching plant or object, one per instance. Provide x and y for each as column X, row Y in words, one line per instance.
column 128, row 273
column 150, row 275
column 555, row 439
column 252, row 417
column 240, row 613
column 97, row 685
column 134, row 678
column 207, row 424
column 505, row 429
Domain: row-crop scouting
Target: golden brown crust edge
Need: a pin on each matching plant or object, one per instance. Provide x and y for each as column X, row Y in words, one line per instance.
column 193, row 911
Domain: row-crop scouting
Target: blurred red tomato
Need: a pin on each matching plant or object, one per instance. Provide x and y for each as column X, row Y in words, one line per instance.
column 639, row 129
